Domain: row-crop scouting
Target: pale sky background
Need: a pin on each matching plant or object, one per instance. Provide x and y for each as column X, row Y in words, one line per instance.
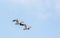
column 42, row 15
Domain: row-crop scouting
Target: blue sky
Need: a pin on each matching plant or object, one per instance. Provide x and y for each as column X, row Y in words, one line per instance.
column 42, row 15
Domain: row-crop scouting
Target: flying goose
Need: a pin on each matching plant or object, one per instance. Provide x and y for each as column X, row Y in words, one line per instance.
column 21, row 24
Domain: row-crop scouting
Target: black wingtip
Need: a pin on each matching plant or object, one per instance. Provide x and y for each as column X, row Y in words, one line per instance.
column 14, row 20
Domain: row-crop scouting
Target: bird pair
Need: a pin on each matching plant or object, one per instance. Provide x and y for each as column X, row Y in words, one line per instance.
column 21, row 24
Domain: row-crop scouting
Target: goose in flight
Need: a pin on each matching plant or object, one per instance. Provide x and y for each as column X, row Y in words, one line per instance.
column 21, row 24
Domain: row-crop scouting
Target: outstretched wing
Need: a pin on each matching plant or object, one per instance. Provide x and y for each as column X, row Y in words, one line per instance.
column 26, row 27
column 17, row 21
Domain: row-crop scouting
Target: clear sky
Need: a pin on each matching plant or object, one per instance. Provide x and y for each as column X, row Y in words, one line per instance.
column 42, row 15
